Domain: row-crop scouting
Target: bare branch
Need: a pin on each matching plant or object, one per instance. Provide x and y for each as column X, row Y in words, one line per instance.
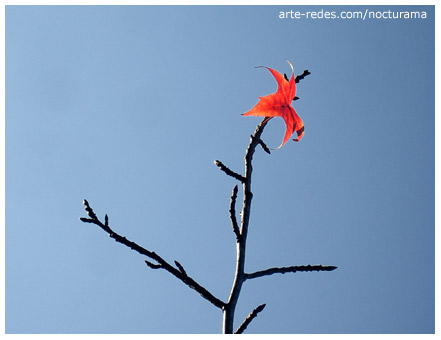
column 291, row 269
column 239, row 277
column 228, row 308
column 233, row 214
column 162, row 264
column 302, row 76
column 89, row 210
column 181, row 269
column 264, row 147
column 228, row 171
column 250, row 318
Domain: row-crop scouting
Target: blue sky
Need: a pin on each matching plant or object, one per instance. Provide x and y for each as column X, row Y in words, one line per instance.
column 128, row 106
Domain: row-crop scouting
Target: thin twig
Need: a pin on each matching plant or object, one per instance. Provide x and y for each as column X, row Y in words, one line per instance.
column 228, row 171
column 300, row 77
column 250, row 318
column 264, row 147
column 181, row 269
column 291, row 269
column 161, row 263
column 89, row 210
column 233, row 214
column 303, row 75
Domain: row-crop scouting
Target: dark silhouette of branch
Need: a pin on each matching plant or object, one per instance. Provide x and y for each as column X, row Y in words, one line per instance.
column 161, row 263
column 233, row 213
column 249, row 318
column 181, row 269
column 298, row 78
column 228, row 171
column 228, row 308
column 302, row 76
column 264, row 147
column 239, row 276
column 291, row 269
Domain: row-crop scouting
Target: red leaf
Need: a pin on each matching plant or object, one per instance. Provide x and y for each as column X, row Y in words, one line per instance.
column 279, row 105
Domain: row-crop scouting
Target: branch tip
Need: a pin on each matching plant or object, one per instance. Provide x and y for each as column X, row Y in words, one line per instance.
column 89, row 210
column 228, row 171
column 250, row 318
column 152, row 265
column 264, row 147
column 181, row 269
column 260, row 308
column 302, row 76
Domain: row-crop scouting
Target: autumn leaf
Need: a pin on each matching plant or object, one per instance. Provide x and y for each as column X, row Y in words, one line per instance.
column 279, row 105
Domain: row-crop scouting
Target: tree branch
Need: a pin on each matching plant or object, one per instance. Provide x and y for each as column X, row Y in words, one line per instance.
column 264, row 147
column 291, row 269
column 228, row 171
column 228, row 308
column 181, row 269
column 233, row 214
column 161, row 263
column 250, row 318
column 239, row 276
column 302, row 76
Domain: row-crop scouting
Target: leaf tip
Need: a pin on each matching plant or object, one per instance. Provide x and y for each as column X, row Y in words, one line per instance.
column 292, row 67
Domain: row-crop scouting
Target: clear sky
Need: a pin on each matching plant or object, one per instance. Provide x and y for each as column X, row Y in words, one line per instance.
column 129, row 107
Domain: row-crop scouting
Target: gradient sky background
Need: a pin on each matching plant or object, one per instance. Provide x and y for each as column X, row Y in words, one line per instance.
column 129, row 107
